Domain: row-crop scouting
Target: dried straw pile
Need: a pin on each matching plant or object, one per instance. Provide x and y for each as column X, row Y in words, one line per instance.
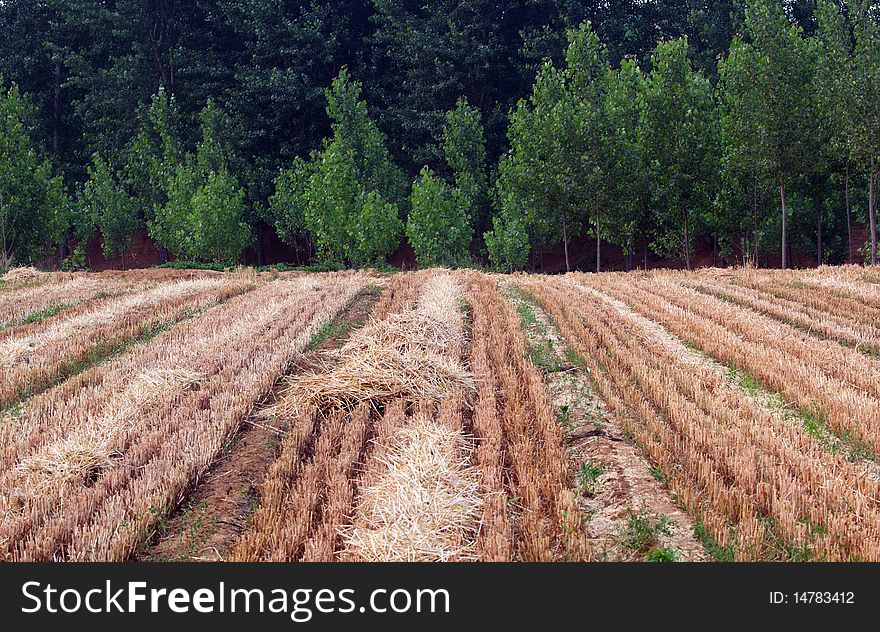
column 89, row 449
column 426, row 505
column 22, row 274
column 410, row 354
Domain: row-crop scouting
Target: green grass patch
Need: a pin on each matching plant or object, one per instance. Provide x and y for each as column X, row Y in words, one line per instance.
column 341, row 326
column 782, row 548
column 643, row 532
column 662, row 554
column 657, row 473
column 719, row 552
column 541, row 353
column 44, row 314
column 587, row 477
column 330, row 330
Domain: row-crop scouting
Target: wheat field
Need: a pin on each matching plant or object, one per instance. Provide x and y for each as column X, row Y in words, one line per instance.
column 441, row 415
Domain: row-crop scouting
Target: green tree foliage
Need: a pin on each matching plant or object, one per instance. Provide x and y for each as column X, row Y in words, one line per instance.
column 745, row 197
column 287, row 206
column 464, row 147
column 508, row 242
column 31, row 198
column 438, row 227
column 780, row 97
column 375, row 230
column 625, row 181
column 837, row 95
column 552, row 171
column 680, row 124
column 203, row 216
column 110, row 206
column 356, row 133
column 798, row 89
column 866, row 128
column 348, row 195
column 285, row 55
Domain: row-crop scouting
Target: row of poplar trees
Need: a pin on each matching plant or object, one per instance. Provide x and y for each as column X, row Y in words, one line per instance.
column 653, row 151
column 662, row 157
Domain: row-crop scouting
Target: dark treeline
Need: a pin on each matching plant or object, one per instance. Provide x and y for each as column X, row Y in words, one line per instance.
column 472, row 130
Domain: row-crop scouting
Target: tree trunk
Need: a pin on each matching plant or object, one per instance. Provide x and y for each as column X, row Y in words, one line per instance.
column 565, row 241
column 598, row 242
column 849, row 256
column 687, row 243
column 259, row 244
column 629, row 256
column 56, row 110
column 645, row 253
column 872, row 215
column 784, row 226
column 819, row 245
column 163, row 254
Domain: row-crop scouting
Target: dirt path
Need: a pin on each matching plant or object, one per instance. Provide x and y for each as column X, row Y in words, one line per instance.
column 209, row 521
column 630, row 513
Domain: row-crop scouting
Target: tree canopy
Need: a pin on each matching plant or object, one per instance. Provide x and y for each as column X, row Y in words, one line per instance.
column 538, row 127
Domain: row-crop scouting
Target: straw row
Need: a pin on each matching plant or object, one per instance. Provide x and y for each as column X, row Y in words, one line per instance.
column 836, row 384
column 355, row 466
column 406, row 354
column 843, row 327
column 420, row 498
column 752, row 478
column 425, row 503
column 293, row 494
column 32, row 356
column 530, row 514
column 167, row 435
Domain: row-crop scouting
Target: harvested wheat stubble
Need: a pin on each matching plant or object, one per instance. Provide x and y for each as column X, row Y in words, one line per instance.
column 18, row 305
column 89, row 449
column 595, row 439
column 221, row 506
column 33, row 356
column 239, row 348
column 755, row 481
column 278, row 533
column 842, row 300
column 854, row 283
column 57, row 290
column 840, row 326
column 22, row 303
column 307, row 499
column 836, row 384
column 526, row 463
